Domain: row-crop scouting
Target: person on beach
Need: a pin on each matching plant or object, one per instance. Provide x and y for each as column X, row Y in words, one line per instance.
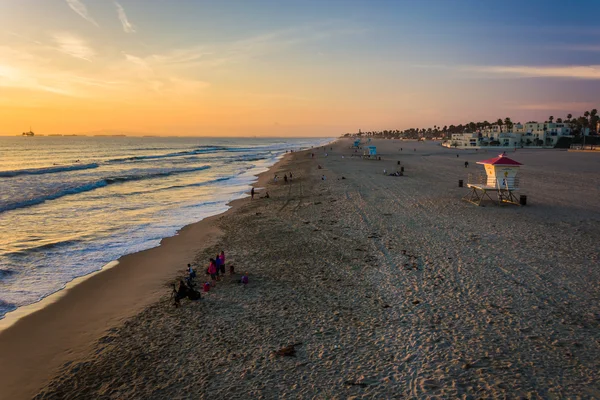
column 218, row 266
column 466, row 164
column 291, row 176
column 180, row 293
column 267, row 195
column 222, row 260
column 191, row 272
column 212, row 271
column 252, row 194
column 323, row 178
column 206, row 286
column 285, row 178
column 244, row 280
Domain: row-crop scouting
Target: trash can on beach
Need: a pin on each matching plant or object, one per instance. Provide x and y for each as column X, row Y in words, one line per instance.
column 523, row 200
column 460, row 183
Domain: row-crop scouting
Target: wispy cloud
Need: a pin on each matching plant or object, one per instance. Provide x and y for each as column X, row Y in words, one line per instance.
column 81, row 9
column 73, row 46
column 554, row 106
column 30, row 72
column 244, row 49
column 591, row 48
column 127, row 26
column 181, row 56
column 137, row 61
column 569, row 71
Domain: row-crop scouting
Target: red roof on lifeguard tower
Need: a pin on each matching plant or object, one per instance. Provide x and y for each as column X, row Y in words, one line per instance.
column 500, row 160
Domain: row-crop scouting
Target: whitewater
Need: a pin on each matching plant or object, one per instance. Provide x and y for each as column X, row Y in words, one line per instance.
column 70, row 205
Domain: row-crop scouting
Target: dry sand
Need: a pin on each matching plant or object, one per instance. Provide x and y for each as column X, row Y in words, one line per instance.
column 390, row 287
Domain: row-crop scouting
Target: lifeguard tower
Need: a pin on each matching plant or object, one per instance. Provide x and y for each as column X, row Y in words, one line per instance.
column 500, row 178
column 371, row 152
column 356, row 143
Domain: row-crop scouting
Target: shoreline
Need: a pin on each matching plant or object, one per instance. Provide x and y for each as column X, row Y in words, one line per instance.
column 93, row 304
column 14, row 316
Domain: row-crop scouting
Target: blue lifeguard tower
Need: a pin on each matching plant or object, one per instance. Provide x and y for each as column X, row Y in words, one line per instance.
column 372, row 151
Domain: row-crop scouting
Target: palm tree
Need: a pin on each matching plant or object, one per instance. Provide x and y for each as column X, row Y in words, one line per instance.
column 569, row 116
column 551, row 118
column 499, row 123
column 559, row 120
column 594, row 119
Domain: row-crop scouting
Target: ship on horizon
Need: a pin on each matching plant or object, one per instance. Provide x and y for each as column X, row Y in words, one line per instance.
column 30, row 133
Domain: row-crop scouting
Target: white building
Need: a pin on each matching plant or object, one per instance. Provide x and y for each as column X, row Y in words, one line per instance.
column 519, row 135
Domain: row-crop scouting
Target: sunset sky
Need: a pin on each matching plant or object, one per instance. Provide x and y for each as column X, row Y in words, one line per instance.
column 301, row 68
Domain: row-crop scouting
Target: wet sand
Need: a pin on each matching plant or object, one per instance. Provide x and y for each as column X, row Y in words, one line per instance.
column 388, row 287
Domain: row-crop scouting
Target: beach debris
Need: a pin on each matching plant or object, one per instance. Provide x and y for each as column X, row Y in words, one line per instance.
column 362, row 381
column 288, row 351
column 353, row 383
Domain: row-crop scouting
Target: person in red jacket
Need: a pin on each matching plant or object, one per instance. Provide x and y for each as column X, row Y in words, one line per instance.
column 212, row 270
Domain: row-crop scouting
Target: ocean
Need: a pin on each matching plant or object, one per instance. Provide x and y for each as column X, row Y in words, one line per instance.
column 70, row 205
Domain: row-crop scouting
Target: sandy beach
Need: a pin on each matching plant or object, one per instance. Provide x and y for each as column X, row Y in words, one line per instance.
column 385, row 287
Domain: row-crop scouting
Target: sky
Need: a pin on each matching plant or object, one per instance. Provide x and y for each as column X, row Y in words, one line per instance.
column 291, row 68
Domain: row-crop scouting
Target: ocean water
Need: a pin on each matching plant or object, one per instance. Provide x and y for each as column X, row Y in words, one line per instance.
column 70, row 205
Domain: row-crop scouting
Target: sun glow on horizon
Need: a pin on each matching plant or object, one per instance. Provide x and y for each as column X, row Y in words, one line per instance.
column 147, row 67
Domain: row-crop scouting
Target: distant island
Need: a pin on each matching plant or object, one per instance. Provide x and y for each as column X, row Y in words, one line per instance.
column 119, row 135
column 30, row 133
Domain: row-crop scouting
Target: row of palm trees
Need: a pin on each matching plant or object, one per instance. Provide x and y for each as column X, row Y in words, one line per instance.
column 589, row 119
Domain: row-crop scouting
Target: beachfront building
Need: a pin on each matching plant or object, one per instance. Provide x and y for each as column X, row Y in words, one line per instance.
column 463, row 140
column 481, row 139
column 517, row 135
column 542, row 134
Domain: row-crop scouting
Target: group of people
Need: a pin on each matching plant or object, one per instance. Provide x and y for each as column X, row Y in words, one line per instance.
column 397, row 173
column 285, row 178
column 216, row 269
column 252, row 193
